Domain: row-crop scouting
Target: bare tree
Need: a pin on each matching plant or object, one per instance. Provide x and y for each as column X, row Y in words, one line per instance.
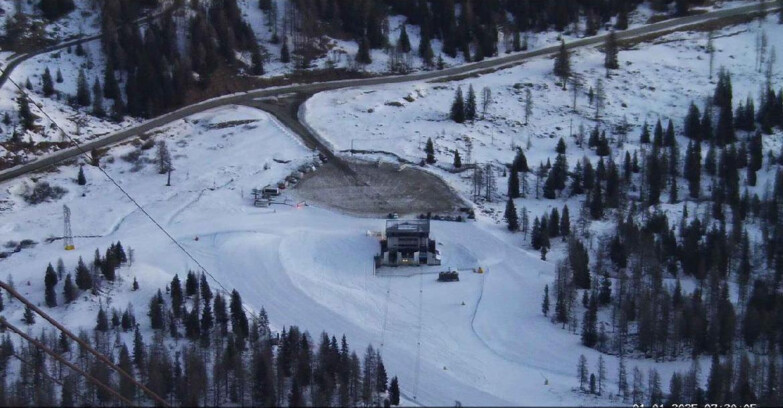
column 528, row 105
column 600, row 97
column 711, row 50
column 486, row 100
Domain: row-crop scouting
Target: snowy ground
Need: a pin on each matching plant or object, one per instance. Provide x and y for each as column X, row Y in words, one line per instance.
column 308, row 266
column 657, row 80
column 312, row 267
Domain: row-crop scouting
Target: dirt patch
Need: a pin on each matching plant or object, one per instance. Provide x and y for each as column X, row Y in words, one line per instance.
column 379, row 190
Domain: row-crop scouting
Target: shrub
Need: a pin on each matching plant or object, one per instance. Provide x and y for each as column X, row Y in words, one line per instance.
column 43, row 191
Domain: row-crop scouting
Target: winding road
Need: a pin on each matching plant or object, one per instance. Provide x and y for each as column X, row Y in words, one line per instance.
column 294, row 95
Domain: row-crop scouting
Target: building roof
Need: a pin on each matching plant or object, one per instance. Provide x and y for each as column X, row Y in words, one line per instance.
column 407, row 226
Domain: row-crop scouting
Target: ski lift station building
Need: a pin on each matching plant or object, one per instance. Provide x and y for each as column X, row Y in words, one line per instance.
column 408, row 242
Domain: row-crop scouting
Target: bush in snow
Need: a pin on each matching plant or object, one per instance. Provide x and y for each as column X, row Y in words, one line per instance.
column 43, row 191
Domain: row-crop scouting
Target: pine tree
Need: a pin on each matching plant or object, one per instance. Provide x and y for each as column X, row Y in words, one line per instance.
column 693, row 123
column 25, row 114
column 82, row 90
column 429, row 149
column 48, row 83
column 59, row 77
column 69, row 290
column 425, row 50
column 50, row 280
column 363, row 54
column 645, row 137
column 658, row 134
column 458, row 107
column 29, row 316
column 285, row 54
column 102, row 321
column 724, row 133
column 176, row 296
column 565, row 223
column 457, row 159
column 692, row 170
column 404, row 43
column 80, row 179
column 668, row 139
column 239, row 323
column 470, row 105
column 257, row 61
column 156, row 311
column 610, row 49
column 511, row 216
column 394, row 392
column 83, row 276
column 97, row 99
column 562, row 63
column 513, row 184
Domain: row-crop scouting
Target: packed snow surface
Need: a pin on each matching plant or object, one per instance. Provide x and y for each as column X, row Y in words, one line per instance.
column 481, row 341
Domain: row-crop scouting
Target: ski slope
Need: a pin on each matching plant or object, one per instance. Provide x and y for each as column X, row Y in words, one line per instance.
column 480, row 341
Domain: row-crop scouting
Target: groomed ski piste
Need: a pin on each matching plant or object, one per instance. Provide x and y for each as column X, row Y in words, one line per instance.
column 480, row 341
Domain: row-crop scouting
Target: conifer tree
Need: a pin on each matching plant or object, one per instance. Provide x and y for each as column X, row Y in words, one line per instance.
column 111, row 88
column 511, row 216
column 404, row 43
column 83, row 276
column 25, row 114
column 285, row 54
column 457, row 159
column 693, row 123
column 82, row 90
column 563, row 64
column 102, row 321
column 29, row 316
column 429, row 149
column 394, row 392
column 48, row 83
column 425, row 50
column 239, row 323
column 658, row 134
column 257, row 62
column 692, row 170
column 363, row 54
column 458, row 107
column 50, row 280
column 176, row 296
column 80, row 179
column 97, row 99
column 59, row 77
column 565, row 223
column 470, row 105
column 513, row 184
column 645, row 137
column 69, row 290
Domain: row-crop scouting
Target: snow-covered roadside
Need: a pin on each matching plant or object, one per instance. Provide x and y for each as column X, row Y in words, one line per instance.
column 656, row 81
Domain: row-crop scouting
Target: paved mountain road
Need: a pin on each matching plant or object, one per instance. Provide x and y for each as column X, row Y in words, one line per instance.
column 303, row 91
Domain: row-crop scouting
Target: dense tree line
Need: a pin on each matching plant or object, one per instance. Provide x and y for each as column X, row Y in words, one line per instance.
column 625, row 295
column 205, row 348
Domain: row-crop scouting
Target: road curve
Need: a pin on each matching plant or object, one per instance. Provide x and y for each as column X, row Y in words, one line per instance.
column 306, row 90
